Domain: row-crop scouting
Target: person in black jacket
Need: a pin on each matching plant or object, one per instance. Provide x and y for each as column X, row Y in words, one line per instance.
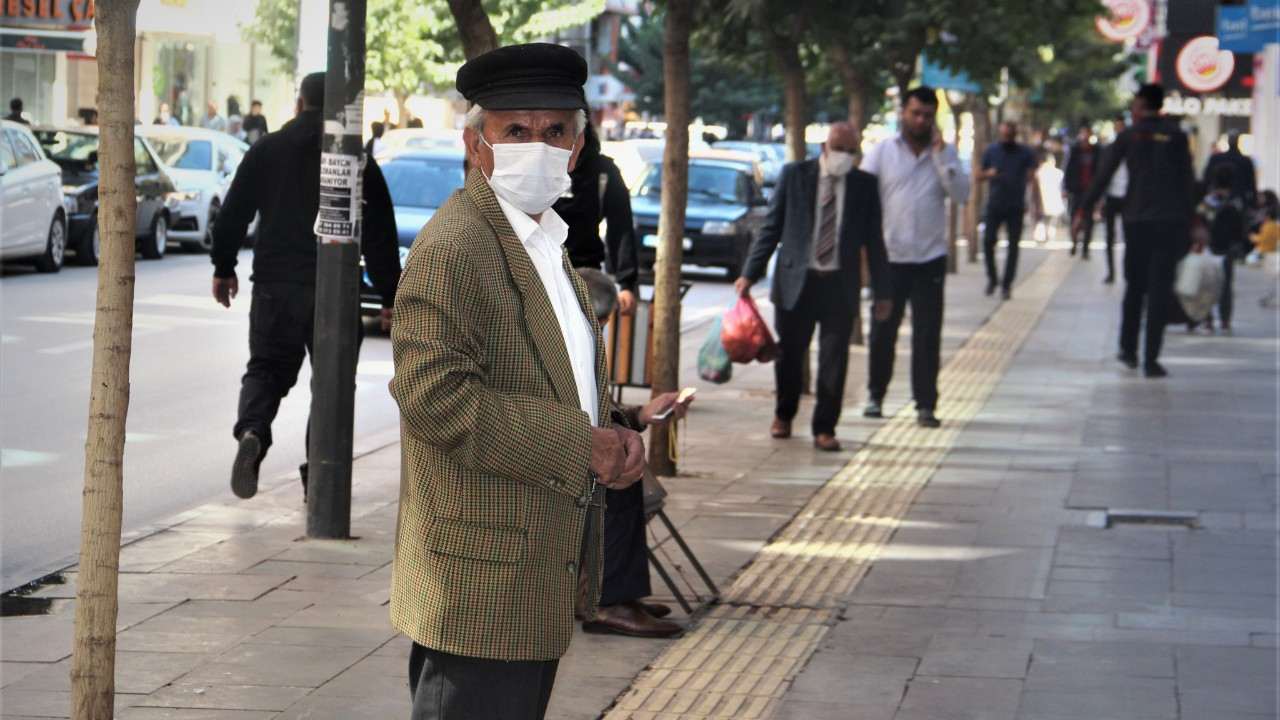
column 279, row 179
column 598, row 192
column 1159, row 207
column 823, row 213
column 1077, row 176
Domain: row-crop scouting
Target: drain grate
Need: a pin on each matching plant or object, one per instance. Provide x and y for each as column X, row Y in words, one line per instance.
column 1154, row 519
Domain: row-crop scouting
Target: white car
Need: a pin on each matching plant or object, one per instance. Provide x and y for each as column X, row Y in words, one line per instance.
column 202, row 164
column 33, row 223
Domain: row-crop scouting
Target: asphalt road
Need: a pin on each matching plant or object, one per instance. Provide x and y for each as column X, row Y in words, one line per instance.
column 188, row 355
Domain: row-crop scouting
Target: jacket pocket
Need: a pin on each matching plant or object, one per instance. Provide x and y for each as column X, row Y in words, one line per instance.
column 476, row 542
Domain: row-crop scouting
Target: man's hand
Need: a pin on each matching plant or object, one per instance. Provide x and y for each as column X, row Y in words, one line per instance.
column 385, row 317
column 938, row 143
column 742, row 286
column 633, row 467
column 224, row 289
column 607, row 456
column 881, row 309
column 988, row 174
column 660, row 402
column 626, row 303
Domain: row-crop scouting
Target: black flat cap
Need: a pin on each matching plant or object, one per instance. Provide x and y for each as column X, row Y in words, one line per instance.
column 535, row 76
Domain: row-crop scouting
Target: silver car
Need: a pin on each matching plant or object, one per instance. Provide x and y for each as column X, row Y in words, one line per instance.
column 33, row 223
column 202, row 164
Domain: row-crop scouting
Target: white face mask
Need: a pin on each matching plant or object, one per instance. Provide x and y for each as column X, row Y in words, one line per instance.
column 529, row 175
column 839, row 162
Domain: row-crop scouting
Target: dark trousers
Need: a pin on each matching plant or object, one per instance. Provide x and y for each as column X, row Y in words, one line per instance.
column 1110, row 216
column 922, row 285
column 1227, row 301
column 1011, row 218
column 453, row 687
column 1152, row 250
column 822, row 303
column 1074, row 203
column 281, row 330
column 626, row 554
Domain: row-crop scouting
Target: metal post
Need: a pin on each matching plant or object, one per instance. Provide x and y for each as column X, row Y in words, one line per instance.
column 337, row 319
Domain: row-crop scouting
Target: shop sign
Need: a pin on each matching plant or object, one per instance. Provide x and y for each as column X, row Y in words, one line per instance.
column 1177, row 104
column 1202, row 67
column 1248, row 28
column 43, row 42
column 1125, row 19
column 46, row 12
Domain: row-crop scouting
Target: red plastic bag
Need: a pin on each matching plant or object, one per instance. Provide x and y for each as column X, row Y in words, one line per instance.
column 745, row 334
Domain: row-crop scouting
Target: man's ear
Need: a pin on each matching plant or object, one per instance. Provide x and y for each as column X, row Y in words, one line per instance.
column 577, row 150
column 471, row 143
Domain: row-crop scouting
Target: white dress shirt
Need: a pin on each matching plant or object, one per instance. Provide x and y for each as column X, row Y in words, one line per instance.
column 834, row 183
column 544, row 241
column 912, row 190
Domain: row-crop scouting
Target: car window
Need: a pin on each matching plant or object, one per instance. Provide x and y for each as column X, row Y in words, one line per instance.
column 422, row 183
column 146, row 166
column 183, row 153
column 68, row 146
column 25, row 152
column 7, row 158
column 706, row 182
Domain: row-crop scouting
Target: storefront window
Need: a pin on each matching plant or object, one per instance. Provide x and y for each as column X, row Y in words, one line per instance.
column 30, row 76
column 177, row 80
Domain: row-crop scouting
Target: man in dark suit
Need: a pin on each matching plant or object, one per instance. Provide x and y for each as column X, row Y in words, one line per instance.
column 823, row 212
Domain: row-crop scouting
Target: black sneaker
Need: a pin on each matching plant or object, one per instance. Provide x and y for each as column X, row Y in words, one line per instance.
column 1129, row 359
column 1006, row 294
column 1153, row 369
column 244, row 471
column 991, row 287
column 872, row 409
column 926, row 418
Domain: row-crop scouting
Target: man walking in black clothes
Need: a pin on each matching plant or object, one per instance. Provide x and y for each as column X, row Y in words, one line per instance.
column 1008, row 166
column 1112, row 206
column 1159, row 207
column 280, row 178
column 1082, row 165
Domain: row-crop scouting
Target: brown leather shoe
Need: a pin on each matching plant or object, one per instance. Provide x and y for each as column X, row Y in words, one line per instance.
column 826, row 442
column 657, row 610
column 630, row 619
column 780, row 428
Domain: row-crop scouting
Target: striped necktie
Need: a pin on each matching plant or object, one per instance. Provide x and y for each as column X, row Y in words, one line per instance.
column 827, row 225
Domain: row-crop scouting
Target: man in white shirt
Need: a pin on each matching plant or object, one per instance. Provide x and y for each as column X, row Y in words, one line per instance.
column 917, row 171
column 500, row 378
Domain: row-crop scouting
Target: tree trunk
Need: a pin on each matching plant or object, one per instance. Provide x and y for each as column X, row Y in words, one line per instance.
column 787, row 52
column 474, row 27
column 93, row 655
column 675, row 192
column 401, row 111
column 855, row 86
column 982, row 135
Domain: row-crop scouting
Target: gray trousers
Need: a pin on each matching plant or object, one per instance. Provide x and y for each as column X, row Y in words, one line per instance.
column 454, row 687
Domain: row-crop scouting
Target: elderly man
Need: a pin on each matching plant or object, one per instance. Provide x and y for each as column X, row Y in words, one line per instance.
column 824, row 212
column 500, row 378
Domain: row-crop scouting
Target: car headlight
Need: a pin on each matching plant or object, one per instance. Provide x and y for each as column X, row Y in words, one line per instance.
column 719, row 227
column 180, row 196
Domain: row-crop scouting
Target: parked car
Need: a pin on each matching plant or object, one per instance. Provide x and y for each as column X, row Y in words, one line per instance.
column 76, row 152
column 33, row 220
column 202, row 164
column 420, row 181
column 764, row 153
column 402, row 139
column 725, row 207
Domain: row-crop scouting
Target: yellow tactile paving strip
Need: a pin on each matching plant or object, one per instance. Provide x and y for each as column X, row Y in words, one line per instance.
column 739, row 659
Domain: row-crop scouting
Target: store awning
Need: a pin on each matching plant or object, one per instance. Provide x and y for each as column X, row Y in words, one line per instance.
column 47, row 41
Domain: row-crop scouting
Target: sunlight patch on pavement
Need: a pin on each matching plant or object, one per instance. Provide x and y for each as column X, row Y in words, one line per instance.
column 15, row 458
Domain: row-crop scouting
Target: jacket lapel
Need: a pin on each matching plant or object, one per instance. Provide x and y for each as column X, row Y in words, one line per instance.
column 602, row 369
column 809, row 199
column 539, row 316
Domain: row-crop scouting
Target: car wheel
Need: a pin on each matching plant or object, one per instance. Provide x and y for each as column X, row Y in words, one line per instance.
column 90, row 248
column 153, row 247
column 55, row 249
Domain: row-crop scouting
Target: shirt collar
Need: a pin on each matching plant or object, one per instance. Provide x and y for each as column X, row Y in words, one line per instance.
column 525, row 227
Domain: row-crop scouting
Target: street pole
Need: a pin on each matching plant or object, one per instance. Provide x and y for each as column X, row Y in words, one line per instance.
column 337, row 319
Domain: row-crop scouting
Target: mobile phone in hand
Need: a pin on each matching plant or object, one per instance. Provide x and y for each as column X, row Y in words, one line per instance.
column 665, row 411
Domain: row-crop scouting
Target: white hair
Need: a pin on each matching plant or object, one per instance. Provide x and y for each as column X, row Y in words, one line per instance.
column 475, row 120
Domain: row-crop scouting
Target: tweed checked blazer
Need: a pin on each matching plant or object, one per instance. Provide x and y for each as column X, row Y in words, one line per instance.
column 494, row 493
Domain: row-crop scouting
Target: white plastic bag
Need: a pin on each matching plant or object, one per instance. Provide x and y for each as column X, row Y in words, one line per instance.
column 1198, row 285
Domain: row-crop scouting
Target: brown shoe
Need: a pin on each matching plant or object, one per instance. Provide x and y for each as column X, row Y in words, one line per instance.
column 780, row 428
column 657, row 610
column 630, row 619
column 826, row 442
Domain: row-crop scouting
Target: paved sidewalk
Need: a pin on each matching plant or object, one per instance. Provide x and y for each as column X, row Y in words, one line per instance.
column 997, row 593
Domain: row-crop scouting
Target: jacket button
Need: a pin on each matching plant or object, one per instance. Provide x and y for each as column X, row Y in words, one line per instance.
column 580, row 501
column 572, row 567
